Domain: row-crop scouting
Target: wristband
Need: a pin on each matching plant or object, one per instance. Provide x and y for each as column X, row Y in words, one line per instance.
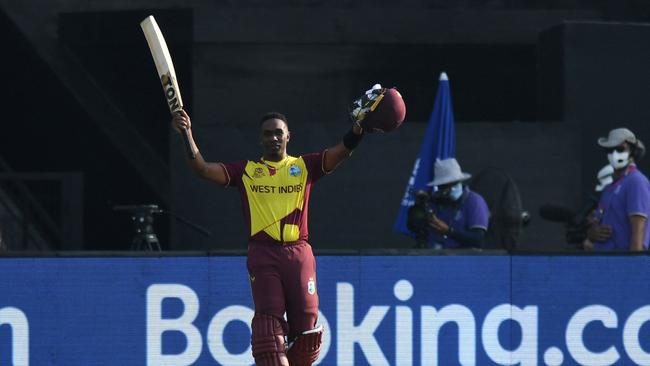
column 351, row 140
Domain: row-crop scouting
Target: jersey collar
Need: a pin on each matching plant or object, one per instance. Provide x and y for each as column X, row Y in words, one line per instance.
column 276, row 164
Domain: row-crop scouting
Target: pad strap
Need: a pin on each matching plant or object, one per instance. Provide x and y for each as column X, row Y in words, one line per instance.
column 305, row 349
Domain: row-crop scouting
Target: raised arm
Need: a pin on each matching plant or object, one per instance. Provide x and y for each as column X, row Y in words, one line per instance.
column 214, row 172
column 336, row 154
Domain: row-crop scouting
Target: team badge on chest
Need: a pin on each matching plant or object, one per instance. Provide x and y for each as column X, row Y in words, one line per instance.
column 294, row 170
column 459, row 215
column 258, row 173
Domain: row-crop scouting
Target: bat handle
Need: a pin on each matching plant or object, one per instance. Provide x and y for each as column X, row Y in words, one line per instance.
column 188, row 146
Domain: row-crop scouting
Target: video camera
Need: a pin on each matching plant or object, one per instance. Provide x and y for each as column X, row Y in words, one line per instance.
column 576, row 223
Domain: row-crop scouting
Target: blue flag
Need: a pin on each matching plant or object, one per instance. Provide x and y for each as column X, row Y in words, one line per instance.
column 439, row 143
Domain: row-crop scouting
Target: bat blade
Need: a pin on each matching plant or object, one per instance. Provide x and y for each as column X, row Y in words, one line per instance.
column 166, row 72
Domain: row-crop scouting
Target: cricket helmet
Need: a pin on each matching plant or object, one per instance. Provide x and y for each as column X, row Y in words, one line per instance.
column 379, row 109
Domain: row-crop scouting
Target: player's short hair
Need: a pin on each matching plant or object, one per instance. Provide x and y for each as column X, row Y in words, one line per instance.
column 274, row 115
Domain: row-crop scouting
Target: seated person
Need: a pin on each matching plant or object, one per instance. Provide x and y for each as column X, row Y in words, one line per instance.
column 459, row 217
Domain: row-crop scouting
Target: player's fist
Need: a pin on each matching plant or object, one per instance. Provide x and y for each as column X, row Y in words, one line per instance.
column 181, row 121
column 363, row 105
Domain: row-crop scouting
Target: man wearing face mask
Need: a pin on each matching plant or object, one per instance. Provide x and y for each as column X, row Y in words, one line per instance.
column 459, row 217
column 621, row 218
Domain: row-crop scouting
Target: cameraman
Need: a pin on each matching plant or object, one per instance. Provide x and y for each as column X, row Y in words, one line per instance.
column 620, row 221
column 459, row 217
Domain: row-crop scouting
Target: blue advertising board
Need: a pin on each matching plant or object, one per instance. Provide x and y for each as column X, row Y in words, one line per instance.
column 378, row 310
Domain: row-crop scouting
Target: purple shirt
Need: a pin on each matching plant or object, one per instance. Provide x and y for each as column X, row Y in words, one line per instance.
column 472, row 212
column 628, row 196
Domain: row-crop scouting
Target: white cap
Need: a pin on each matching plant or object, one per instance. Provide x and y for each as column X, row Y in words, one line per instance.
column 447, row 171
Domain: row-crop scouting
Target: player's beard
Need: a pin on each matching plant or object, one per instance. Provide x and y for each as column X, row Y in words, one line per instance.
column 273, row 150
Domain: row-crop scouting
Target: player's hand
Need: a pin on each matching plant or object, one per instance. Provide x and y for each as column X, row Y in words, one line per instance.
column 363, row 105
column 181, row 120
column 599, row 232
column 438, row 225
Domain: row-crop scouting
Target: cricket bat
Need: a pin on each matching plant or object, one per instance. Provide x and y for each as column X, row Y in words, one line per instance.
column 166, row 72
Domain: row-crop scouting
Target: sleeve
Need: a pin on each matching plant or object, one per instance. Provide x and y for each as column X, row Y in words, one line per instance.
column 314, row 163
column 235, row 172
column 637, row 198
column 478, row 214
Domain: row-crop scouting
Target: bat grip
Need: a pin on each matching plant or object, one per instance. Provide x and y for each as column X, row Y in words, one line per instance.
column 188, row 146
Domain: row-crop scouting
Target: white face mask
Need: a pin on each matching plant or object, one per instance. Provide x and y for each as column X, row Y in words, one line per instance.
column 456, row 191
column 619, row 160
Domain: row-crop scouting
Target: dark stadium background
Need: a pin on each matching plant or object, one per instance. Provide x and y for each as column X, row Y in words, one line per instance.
column 85, row 126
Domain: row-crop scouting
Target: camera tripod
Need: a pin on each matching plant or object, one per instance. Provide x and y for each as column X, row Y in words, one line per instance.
column 145, row 237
